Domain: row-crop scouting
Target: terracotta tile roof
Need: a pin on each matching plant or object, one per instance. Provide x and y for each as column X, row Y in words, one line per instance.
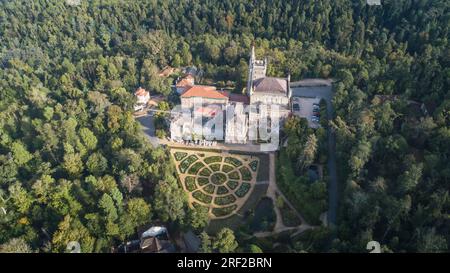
column 166, row 72
column 186, row 81
column 141, row 92
column 272, row 85
column 204, row 91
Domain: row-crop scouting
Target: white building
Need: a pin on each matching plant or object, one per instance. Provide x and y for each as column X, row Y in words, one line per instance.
column 142, row 97
column 262, row 93
column 267, row 90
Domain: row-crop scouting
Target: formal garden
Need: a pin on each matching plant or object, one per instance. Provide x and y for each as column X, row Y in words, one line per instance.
column 217, row 181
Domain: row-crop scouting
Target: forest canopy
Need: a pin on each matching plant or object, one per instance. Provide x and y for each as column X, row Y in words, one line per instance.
column 75, row 166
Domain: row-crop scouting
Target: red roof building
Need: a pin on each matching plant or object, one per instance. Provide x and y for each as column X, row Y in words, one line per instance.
column 204, row 91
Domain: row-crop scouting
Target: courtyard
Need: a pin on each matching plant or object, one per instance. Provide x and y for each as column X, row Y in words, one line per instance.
column 219, row 182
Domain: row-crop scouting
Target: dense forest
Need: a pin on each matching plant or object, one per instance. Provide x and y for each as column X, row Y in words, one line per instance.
column 75, row 166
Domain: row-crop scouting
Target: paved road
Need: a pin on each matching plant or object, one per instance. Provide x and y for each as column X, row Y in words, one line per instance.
column 148, row 127
column 326, row 93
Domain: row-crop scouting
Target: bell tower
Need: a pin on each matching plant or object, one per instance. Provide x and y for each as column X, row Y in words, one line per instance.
column 256, row 69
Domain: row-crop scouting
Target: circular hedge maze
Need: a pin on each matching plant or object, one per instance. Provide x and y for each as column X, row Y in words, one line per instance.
column 218, row 182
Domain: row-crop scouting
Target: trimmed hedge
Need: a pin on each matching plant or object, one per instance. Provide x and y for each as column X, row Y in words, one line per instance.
column 187, row 162
column 219, row 212
column 180, row 155
column 234, row 175
column 190, row 183
column 227, row 168
column 218, row 178
column 233, row 161
column 221, row 190
column 209, row 188
column 232, row 184
column 205, row 172
column 224, row 200
column 215, row 167
column 254, row 165
column 202, row 181
column 243, row 189
column 213, row 159
column 246, row 174
column 196, row 168
column 202, row 197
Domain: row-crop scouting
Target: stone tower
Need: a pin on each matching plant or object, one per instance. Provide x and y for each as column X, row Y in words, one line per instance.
column 256, row 70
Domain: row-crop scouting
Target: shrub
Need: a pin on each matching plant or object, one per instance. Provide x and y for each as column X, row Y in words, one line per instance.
column 213, row 159
column 254, row 165
column 234, row 175
column 190, row 183
column 219, row 212
column 209, row 188
column 202, row 181
column 160, row 133
column 243, row 189
column 232, row 184
column 224, row 200
column 233, row 161
column 202, row 197
column 196, row 168
column 205, row 172
column 198, row 205
column 246, row 174
column 215, row 167
column 187, row 162
column 227, row 168
column 221, row 190
column 218, row 178
column 180, row 155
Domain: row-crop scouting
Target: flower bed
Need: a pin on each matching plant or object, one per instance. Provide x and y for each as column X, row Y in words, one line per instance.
column 180, row 155
column 215, row 167
column 209, row 188
column 224, row 200
column 219, row 212
column 221, row 190
column 202, row 181
column 202, row 197
column 243, row 189
column 246, row 174
column 233, row 161
column 213, row 159
column 213, row 178
column 218, row 178
column 196, row 168
column 227, row 168
column 232, row 184
column 187, row 162
column 234, row 175
column 254, row 165
column 205, row 172
column 190, row 183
